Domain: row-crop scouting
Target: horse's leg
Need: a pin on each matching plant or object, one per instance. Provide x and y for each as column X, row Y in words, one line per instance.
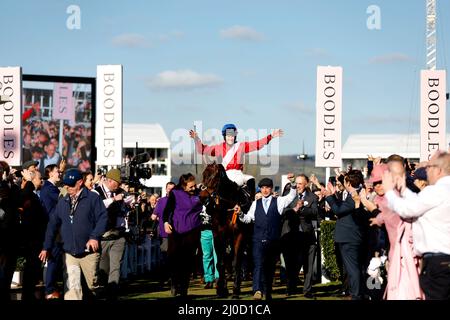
column 220, row 247
column 237, row 264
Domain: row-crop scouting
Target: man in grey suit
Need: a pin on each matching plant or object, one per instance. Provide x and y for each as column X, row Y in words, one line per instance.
column 298, row 237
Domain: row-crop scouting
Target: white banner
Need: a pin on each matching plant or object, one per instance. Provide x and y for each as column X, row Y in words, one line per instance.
column 432, row 113
column 328, row 116
column 10, row 115
column 109, row 115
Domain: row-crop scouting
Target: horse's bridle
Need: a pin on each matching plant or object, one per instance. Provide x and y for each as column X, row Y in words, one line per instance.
column 216, row 197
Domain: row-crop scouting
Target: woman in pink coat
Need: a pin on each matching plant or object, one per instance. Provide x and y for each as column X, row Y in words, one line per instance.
column 403, row 267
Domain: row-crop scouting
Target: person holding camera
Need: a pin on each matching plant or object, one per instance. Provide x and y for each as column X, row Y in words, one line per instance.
column 113, row 240
column 81, row 217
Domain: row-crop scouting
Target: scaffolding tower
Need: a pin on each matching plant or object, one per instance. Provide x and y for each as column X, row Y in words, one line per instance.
column 431, row 34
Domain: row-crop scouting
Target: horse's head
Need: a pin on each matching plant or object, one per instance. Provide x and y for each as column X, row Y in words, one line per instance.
column 212, row 176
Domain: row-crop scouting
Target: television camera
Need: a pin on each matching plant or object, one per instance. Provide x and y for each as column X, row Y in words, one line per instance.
column 136, row 169
column 131, row 173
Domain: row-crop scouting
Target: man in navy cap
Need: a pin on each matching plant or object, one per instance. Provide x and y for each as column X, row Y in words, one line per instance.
column 266, row 213
column 81, row 215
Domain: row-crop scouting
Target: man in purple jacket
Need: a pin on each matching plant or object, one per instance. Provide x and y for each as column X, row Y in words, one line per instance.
column 182, row 223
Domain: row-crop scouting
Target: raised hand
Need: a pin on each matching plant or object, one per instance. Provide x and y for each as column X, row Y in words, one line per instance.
column 62, row 165
column 26, row 174
column 277, row 133
column 330, row 189
column 388, row 181
column 193, row 134
column 291, row 177
column 377, row 161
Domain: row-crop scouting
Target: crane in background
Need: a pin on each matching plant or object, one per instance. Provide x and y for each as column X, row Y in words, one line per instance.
column 431, row 34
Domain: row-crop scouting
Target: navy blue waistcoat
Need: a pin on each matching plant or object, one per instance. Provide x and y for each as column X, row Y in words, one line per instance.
column 267, row 226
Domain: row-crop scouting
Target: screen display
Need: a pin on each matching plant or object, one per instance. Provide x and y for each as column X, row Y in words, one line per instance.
column 57, row 123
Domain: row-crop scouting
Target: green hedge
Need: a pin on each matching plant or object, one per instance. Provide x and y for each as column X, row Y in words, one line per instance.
column 327, row 244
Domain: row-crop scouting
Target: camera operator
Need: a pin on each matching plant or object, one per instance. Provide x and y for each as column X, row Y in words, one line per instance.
column 113, row 240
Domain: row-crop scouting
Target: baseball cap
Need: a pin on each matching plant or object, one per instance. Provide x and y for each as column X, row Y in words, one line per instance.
column 71, row 177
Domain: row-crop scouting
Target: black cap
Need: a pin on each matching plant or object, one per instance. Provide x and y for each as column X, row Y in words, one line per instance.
column 265, row 182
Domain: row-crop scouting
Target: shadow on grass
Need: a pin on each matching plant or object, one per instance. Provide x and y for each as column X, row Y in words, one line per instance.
column 151, row 289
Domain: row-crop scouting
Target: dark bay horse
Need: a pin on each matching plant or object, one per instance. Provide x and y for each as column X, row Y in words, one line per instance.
column 220, row 195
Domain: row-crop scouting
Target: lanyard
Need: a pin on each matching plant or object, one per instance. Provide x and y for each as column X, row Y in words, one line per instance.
column 73, row 207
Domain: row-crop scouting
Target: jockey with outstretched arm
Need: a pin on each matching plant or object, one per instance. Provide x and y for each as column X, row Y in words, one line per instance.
column 231, row 153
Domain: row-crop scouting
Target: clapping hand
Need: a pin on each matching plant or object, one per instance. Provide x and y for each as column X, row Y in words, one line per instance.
column 330, row 189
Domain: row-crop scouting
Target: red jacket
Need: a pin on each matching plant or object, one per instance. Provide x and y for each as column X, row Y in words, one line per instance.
column 220, row 150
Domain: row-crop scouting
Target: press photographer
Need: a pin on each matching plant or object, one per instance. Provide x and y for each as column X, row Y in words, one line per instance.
column 113, row 240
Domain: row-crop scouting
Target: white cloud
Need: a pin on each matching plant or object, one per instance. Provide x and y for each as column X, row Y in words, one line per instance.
column 183, row 79
column 131, row 40
column 390, row 58
column 241, row 33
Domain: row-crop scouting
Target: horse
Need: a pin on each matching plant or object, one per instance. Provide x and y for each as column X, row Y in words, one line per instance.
column 220, row 195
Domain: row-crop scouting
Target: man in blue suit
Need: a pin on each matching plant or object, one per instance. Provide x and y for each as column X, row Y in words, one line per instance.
column 349, row 233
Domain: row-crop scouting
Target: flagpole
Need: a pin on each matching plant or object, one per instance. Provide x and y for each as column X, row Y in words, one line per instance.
column 195, row 152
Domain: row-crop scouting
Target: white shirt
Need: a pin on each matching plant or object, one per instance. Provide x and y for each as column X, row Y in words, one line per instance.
column 282, row 203
column 52, row 160
column 431, row 211
column 108, row 200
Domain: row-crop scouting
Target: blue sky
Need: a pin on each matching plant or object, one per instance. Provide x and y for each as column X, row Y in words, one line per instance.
column 249, row 62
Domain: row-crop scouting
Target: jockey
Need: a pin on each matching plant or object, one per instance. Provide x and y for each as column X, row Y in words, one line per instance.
column 231, row 153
